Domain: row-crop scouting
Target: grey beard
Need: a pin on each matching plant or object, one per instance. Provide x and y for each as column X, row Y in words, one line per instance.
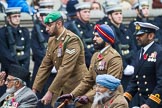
column 98, row 98
column 11, row 90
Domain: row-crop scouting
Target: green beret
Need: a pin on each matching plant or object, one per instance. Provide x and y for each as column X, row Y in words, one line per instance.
column 52, row 17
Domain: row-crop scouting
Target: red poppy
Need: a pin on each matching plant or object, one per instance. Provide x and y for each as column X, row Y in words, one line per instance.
column 100, row 56
column 145, row 56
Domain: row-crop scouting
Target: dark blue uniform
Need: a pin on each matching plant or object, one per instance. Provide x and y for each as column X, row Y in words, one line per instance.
column 39, row 50
column 85, row 31
column 147, row 79
column 19, row 51
column 124, row 44
column 158, row 22
column 104, row 20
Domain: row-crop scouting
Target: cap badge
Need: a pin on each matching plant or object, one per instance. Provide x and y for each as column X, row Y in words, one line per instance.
column 138, row 27
column 50, row 20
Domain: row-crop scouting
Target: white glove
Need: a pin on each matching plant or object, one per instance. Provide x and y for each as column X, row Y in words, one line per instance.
column 129, row 70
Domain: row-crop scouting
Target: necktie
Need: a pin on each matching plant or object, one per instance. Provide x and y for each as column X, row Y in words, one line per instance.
column 141, row 53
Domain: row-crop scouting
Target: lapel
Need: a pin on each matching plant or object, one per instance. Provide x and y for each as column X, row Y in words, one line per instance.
column 101, row 56
column 21, row 93
column 56, row 42
column 142, row 61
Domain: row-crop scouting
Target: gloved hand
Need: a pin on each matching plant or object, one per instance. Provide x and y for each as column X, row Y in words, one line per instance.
column 83, row 99
column 129, row 70
column 65, row 96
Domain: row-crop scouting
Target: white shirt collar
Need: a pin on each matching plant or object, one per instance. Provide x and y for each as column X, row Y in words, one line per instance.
column 104, row 49
column 147, row 47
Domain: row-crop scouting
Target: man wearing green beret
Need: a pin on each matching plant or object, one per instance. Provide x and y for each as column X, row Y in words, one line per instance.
column 64, row 56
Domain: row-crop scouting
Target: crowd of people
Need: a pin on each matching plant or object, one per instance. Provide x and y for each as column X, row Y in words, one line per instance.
column 101, row 64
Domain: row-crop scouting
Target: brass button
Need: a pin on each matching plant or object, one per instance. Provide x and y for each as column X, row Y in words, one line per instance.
column 140, row 94
column 55, row 61
column 145, row 82
column 136, row 76
column 137, row 82
column 138, row 89
column 147, row 89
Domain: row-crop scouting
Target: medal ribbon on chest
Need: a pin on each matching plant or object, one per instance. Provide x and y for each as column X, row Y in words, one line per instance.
column 59, row 51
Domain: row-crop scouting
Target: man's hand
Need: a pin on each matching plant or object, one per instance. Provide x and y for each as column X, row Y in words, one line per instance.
column 144, row 106
column 65, row 96
column 2, row 78
column 47, row 98
column 83, row 99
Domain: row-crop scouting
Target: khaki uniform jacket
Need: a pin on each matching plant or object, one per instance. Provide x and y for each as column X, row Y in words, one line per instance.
column 109, row 62
column 117, row 101
column 67, row 55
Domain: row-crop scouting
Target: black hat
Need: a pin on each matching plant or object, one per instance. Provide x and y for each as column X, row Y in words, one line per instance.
column 19, row 72
column 71, row 11
column 13, row 10
column 142, row 28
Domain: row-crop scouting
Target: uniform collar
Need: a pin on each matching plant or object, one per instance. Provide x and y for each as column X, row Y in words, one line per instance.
column 147, row 47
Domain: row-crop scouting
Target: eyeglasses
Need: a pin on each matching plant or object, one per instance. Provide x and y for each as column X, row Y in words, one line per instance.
column 9, row 80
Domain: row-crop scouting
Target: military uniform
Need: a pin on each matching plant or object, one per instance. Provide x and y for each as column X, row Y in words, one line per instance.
column 86, row 34
column 22, row 43
column 16, row 41
column 124, row 44
column 66, row 54
column 39, row 45
column 108, row 62
column 117, row 101
column 146, row 81
column 158, row 22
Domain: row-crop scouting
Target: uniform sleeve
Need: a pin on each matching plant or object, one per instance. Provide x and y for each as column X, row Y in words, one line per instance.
column 86, row 85
column 70, row 57
column 43, row 72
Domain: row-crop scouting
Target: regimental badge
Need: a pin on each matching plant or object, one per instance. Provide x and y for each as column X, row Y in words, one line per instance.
column 50, row 20
column 152, row 57
column 59, row 51
column 101, row 65
column 138, row 27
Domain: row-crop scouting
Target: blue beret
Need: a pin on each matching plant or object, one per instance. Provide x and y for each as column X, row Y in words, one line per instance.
column 105, row 32
column 108, row 81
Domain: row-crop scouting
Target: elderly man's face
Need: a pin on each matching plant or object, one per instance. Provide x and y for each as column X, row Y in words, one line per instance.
column 98, row 42
column 10, row 84
column 101, row 92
